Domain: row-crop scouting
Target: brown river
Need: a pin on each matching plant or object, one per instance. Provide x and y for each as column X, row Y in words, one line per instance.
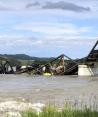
column 25, row 89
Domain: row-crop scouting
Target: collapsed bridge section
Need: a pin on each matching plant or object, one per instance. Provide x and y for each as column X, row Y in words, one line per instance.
column 64, row 65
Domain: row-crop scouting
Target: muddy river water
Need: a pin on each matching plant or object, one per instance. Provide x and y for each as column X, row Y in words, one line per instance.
column 44, row 90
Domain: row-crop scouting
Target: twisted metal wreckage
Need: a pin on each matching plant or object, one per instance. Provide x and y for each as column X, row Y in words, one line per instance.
column 57, row 66
column 5, row 66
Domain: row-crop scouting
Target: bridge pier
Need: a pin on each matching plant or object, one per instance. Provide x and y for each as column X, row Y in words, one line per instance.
column 86, row 70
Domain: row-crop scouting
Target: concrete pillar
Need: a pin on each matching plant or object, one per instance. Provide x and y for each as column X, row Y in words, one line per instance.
column 85, row 70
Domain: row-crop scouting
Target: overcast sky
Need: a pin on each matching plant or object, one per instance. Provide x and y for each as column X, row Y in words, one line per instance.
column 46, row 28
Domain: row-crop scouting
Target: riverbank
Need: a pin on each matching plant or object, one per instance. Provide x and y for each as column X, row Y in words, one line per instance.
column 21, row 109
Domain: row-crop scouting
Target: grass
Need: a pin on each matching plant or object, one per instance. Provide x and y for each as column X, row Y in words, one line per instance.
column 51, row 111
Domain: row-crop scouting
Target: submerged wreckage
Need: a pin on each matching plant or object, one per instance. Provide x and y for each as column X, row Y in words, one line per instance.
column 62, row 65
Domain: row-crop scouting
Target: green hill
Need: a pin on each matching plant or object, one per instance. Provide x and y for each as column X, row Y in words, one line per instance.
column 24, row 59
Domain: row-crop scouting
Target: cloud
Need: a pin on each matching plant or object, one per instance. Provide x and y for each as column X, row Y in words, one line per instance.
column 54, row 30
column 32, row 5
column 47, row 46
column 65, row 6
column 28, row 42
column 68, row 42
column 4, row 7
column 27, row 5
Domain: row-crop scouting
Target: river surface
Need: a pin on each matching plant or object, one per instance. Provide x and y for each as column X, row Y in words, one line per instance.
column 47, row 90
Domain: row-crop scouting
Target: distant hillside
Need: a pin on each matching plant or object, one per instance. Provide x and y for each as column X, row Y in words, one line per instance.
column 25, row 57
column 19, row 56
